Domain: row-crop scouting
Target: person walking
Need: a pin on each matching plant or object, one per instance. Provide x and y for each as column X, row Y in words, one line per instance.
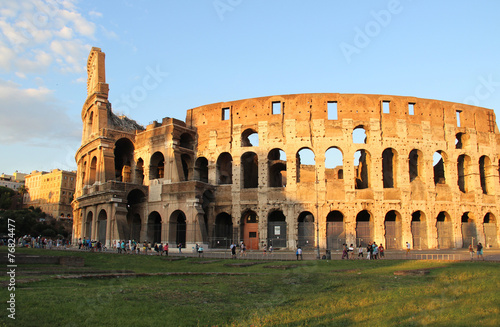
column 165, row 249
column 179, row 246
column 408, row 247
column 471, row 251
column 381, row 251
column 360, row 252
column 480, row 251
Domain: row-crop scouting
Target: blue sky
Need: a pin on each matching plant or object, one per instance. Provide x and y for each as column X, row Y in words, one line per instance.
column 207, row 51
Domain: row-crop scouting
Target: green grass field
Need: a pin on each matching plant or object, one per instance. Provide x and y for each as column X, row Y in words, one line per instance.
column 307, row 293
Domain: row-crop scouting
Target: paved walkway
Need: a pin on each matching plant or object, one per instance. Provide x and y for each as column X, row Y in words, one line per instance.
column 446, row 254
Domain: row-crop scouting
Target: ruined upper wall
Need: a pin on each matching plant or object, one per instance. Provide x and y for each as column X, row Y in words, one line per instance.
column 361, row 108
column 96, row 72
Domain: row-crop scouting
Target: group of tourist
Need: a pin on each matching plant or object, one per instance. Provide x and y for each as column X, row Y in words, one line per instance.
column 479, row 251
column 373, row 251
column 41, row 242
column 90, row 245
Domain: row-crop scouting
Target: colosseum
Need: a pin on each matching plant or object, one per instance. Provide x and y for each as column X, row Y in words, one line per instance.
column 309, row 170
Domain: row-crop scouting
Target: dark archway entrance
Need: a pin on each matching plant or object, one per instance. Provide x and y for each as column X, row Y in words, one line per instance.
column 154, row 228
column 178, row 228
column 276, row 229
column 306, row 229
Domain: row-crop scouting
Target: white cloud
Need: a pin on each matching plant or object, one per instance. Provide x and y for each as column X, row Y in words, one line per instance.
column 95, row 14
column 36, row 33
column 34, row 115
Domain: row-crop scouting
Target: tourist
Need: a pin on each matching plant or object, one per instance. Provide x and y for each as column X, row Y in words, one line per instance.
column 179, row 246
column 375, row 250
column 350, row 252
column 480, row 250
column 369, row 251
column 233, row 250
column 471, row 251
column 360, row 252
column 271, row 249
column 160, row 248
column 344, row 251
column 200, row 251
column 299, row 253
column 381, row 251
column 264, row 250
column 408, row 247
column 156, row 249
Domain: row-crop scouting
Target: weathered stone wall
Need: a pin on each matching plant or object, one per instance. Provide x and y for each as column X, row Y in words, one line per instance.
column 421, row 171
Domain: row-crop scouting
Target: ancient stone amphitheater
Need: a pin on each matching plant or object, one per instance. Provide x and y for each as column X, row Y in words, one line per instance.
column 309, row 170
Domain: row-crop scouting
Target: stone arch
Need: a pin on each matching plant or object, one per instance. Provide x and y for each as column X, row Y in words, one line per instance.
column 393, row 230
column 444, row 228
column 334, row 163
column 223, row 231
column 416, row 165
column 93, row 171
column 249, row 137
column 102, row 221
column 419, row 230
column 277, row 229
column 461, row 140
column 306, row 228
column 139, row 171
column 306, row 166
column 124, row 156
column 250, row 170
column 359, row 135
column 486, row 175
column 469, row 229
column 178, row 228
column 84, row 169
column 224, row 169
column 389, row 168
column 154, row 228
column 335, row 230
column 364, row 228
column 88, row 224
column 135, row 207
column 362, row 170
column 465, row 174
column 490, row 230
column 276, row 160
column 201, row 169
column 439, row 163
column 157, row 166
column 186, row 167
column 250, row 229
column 90, row 124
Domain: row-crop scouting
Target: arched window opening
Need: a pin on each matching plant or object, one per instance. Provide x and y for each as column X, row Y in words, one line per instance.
column 464, row 173
column 277, row 168
column 139, row 171
column 157, row 166
column 306, row 166
column 364, row 228
column 393, row 235
column 90, row 124
column 276, row 231
column 223, row 231
column 186, row 167
column 359, row 135
column 419, row 230
column 485, row 174
column 136, row 200
column 84, row 169
column 335, row 232
column 250, row 167
column 93, row 171
column 249, row 138
column 124, row 156
column 439, row 168
column 201, row 169
column 490, row 231
column 444, row 230
column 225, row 169
column 177, row 228
column 416, row 164
column 102, row 220
column 154, row 228
column 389, row 168
column 88, row 225
column 186, row 141
column 334, row 164
column 362, row 163
column 469, row 231
column 306, row 229
column 250, row 230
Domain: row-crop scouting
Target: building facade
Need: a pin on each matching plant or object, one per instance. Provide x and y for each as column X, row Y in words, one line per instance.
column 309, row 170
column 52, row 191
column 14, row 181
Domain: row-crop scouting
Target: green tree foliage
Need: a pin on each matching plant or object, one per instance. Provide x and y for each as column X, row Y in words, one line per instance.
column 6, row 195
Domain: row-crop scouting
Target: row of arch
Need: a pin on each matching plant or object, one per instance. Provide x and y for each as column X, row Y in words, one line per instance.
column 223, row 232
